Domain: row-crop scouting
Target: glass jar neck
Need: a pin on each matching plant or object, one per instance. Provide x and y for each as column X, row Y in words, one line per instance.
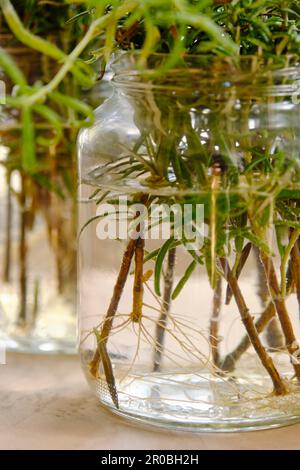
column 248, row 77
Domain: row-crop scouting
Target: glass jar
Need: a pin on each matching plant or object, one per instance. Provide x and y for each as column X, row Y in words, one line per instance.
column 189, row 261
column 37, row 225
column 37, row 248
column 38, row 212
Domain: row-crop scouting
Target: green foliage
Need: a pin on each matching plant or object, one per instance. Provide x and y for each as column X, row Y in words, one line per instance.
column 43, row 17
column 266, row 30
column 264, row 27
column 51, row 119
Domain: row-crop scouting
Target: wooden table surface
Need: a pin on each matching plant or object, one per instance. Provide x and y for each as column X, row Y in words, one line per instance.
column 45, row 403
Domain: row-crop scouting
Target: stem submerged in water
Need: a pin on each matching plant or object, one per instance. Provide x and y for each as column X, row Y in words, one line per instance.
column 162, row 322
column 241, row 263
column 295, row 262
column 8, row 229
column 112, row 309
column 229, row 363
column 283, row 315
column 214, row 322
column 22, row 317
column 138, row 288
column 266, row 360
column 273, row 332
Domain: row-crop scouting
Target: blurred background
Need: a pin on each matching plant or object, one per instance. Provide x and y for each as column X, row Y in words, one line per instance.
column 38, row 172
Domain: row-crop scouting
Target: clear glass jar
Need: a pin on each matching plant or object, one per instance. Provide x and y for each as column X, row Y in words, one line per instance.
column 37, row 250
column 38, row 226
column 189, row 263
column 39, row 216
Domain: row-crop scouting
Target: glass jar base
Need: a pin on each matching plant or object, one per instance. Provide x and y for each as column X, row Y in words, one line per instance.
column 54, row 332
column 37, row 346
column 206, row 403
column 34, row 345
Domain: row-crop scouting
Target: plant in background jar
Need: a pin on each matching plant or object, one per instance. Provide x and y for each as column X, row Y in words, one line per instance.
column 38, row 175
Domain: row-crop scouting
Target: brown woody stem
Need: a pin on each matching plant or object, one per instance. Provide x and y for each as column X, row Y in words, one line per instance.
column 112, row 309
column 243, row 258
column 283, row 315
column 266, row 360
column 294, row 235
column 232, row 358
column 290, row 281
column 295, row 266
column 138, row 287
column 103, row 336
column 273, row 331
